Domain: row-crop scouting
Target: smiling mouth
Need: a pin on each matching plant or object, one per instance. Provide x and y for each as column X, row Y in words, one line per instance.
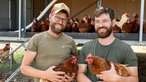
column 102, row 30
column 58, row 26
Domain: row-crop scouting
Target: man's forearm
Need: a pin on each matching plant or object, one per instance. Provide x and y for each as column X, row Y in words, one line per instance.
column 82, row 78
column 128, row 79
column 30, row 71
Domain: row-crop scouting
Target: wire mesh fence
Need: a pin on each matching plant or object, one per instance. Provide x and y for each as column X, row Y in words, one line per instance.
column 11, row 64
column 6, row 71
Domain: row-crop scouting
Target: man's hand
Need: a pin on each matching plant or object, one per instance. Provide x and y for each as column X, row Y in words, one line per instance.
column 109, row 75
column 68, row 78
column 51, row 75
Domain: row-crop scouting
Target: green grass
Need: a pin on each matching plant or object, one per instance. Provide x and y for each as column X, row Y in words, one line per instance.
column 18, row 56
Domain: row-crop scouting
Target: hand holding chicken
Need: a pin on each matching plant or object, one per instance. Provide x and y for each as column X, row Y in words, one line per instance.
column 109, row 75
column 52, row 75
column 65, row 71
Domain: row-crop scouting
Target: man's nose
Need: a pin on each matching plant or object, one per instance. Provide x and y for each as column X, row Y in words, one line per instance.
column 100, row 24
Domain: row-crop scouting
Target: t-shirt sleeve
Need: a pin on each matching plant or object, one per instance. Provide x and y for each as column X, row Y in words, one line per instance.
column 32, row 44
column 130, row 58
column 74, row 48
column 82, row 57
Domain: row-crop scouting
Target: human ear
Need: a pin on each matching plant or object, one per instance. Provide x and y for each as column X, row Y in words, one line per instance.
column 113, row 22
column 50, row 16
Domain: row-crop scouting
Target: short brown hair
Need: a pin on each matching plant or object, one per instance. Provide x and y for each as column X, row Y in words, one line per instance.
column 102, row 10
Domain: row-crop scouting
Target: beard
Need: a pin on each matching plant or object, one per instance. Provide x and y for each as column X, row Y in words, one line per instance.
column 56, row 30
column 104, row 34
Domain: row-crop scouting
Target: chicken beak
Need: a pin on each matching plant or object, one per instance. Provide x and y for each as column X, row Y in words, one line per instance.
column 87, row 60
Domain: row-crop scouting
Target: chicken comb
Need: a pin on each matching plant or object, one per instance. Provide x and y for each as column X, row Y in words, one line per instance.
column 89, row 55
column 127, row 14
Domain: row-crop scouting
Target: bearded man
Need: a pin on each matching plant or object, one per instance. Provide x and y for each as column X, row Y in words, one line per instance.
column 108, row 47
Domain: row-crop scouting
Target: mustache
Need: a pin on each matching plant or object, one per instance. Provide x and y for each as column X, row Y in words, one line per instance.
column 102, row 27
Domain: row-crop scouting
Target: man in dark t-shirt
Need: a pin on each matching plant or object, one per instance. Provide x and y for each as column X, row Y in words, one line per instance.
column 108, row 47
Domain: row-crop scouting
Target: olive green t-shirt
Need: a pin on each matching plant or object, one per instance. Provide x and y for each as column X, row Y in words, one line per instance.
column 118, row 52
column 51, row 51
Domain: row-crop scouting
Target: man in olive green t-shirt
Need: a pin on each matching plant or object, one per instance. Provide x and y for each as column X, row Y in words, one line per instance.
column 50, row 48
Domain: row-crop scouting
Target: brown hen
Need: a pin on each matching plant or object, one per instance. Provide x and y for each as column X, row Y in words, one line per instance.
column 127, row 26
column 5, row 51
column 2, row 76
column 36, row 26
column 45, row 25
column 85, row 25
column 98, row 64
column 135, row 23
column 69, row 67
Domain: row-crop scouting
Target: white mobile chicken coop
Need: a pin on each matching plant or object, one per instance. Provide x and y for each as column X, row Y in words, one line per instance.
column 19, row 15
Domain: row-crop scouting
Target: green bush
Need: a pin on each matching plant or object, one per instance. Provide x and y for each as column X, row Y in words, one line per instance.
column 18, row 56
